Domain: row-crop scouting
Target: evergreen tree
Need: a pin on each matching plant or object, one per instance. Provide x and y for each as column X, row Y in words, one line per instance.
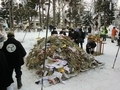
column 103, row 7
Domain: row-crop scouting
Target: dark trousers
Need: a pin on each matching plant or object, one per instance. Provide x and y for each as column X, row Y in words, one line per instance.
column 104, row 37
column 17, row 71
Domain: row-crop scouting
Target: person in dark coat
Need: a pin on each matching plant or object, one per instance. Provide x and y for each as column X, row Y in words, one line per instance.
column 89, row 30
column 15, row 53
column 51, row 27
column 81, row 37
column 90, row 46
column 5, row 75
column 74, row 36
column 54, row 32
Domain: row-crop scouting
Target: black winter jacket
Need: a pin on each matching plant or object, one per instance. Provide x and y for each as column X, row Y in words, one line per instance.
column 5, row 76
column 81, row 36
column 14, row 52
column 74, row 36
column 91, row 44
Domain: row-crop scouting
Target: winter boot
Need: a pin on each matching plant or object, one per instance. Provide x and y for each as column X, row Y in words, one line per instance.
column 19, row 84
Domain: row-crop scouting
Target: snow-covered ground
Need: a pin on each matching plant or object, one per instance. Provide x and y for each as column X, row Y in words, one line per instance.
column 101, row 78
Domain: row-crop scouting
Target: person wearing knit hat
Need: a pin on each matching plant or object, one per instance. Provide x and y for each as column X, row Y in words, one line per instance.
column 15, row 54
column 10, row 34
column 5, row 75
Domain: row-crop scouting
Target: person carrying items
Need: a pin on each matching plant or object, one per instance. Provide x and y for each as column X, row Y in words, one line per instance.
column 15, row 53
column 90, row 46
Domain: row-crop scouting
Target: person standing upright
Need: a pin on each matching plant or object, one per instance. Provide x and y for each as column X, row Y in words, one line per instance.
column 51, row 27
column 81, row 37
column 104, row 33
column 89, row 30
column 74, row 36
column 15, row 53
column 113, row 34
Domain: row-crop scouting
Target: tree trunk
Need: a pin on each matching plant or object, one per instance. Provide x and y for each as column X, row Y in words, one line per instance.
column 39, row 16
column 54, row 11
column 10, row 14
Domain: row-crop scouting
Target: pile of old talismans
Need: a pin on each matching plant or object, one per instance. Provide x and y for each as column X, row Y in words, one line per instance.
column 62, row 59
column 96, row 38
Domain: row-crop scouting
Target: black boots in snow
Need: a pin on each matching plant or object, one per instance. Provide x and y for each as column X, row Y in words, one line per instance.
column 19, row 84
